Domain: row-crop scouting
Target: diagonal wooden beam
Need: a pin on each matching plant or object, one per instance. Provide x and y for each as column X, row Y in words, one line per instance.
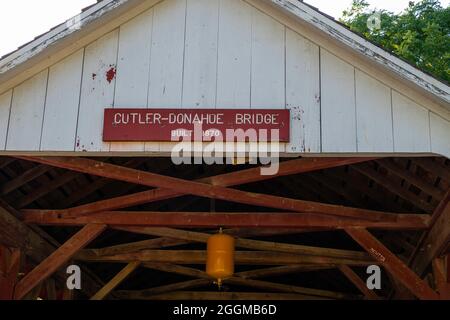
column 394, row 188
column 90, row 187
column 393, row 264
column 242, row 279
column 47, row 188
column 203, row 190
column 36, row 244
column 407, row 175
column 227, row 220
column 63, row 254
column 357, row 281
column 226, row 180
column 24, row 178
column 117, row 280
column 435, row 239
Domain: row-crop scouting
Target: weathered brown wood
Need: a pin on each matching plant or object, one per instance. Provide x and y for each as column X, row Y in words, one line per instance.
column 405, row 174
column 57, row 259
column 202, row 189
column 393, row 264
column 270, row 286
column 220, row 296
column 4, row 162
column 436, row 239
column 434, row 167
column 282, row 270
column 199, row 257
column 24, row 178
column 227, row 220
column 440, row 278
column 356, row 280
column 9, row 271
column 225, row 180
column 36, row 244
column 148, row 293
column 117, row 280
column 48, row 187
column 50, row 289
column 258, row 284
column 252, row 274
column 247, row 244
column 392, row 187
column 91, row 186
column 158, row 243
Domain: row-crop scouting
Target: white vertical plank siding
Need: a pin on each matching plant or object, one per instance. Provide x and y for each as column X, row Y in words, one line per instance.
column 268, row 62
column 411, row 125
column 440, row 135
column 61, row 108
column 5, row 108
column 374, row 115
column 166, row 63
column 303, row 93
column 268, row 89
column 200, row 64
column 337, row 104
column 27, row 110
column 97, row 93
column 133, row 65
column 235, row 54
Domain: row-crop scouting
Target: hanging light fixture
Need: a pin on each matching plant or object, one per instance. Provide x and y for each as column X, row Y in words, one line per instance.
column 220, row 257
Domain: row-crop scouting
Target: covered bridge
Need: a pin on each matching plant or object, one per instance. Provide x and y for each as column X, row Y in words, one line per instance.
column 364, row 174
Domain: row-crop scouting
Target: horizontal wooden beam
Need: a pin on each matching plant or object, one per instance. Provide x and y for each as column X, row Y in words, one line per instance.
column 57, row 259
column 192, row 236
column 216, row 220
column 393, row 264
column 204, row 190
column 224, row 296
column 186, row 257
column 251, row 274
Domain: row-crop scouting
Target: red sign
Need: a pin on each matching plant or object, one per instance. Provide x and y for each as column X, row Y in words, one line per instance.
column 196, row 125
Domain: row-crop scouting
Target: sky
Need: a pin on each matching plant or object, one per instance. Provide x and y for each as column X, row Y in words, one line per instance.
column 19, row 26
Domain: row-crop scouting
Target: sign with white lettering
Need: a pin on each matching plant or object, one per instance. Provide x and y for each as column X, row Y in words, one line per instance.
column 196, row 125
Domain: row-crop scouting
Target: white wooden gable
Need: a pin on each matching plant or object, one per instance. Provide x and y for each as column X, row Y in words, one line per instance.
column 221, row 54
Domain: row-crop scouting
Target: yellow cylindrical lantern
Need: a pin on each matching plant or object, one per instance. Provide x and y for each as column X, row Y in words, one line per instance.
column 220, row 257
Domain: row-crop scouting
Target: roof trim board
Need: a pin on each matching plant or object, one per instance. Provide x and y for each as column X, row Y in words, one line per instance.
column 18, row 61
column 354, row 41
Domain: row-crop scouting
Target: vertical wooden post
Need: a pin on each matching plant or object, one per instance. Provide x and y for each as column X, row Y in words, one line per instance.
column 9, row 270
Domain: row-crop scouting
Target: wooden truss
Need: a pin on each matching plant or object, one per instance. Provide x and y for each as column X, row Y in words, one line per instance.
column 293, row 216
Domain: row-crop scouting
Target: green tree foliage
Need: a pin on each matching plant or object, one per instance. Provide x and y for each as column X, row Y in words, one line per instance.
column 420, row 34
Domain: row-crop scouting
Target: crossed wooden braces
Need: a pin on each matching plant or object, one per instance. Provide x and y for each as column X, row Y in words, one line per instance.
column 297, row 214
